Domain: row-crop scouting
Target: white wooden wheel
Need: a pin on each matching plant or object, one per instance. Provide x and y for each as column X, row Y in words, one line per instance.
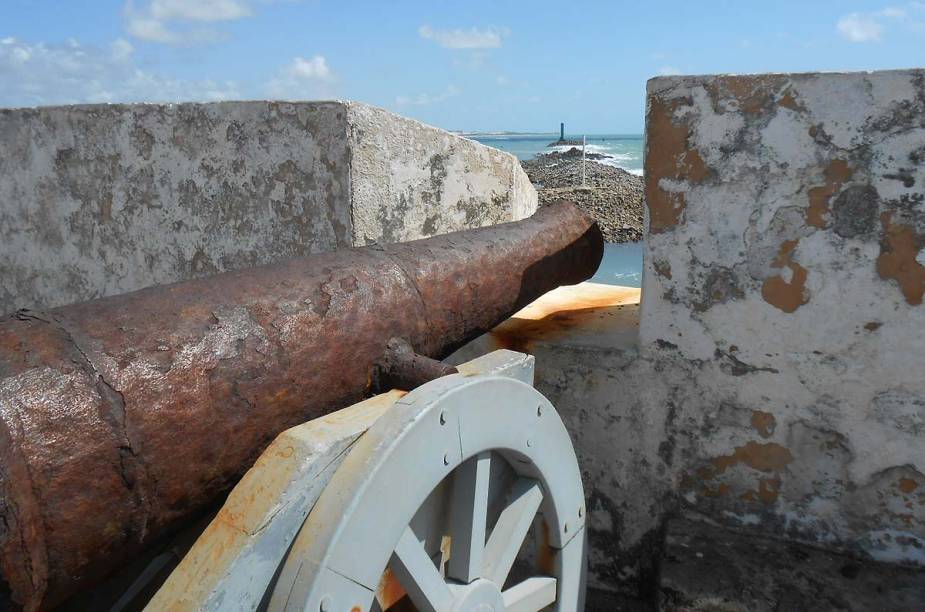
column 436, row 500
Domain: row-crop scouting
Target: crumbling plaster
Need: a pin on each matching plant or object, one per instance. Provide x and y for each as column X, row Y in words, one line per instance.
column 99, row 200
column 772, row 379
column 788, row 283
column 410, row 180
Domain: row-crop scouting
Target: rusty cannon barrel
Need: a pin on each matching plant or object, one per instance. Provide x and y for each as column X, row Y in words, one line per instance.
column 121, row 418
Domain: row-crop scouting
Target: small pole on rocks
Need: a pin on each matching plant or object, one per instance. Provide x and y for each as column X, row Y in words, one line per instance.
column 584, row 143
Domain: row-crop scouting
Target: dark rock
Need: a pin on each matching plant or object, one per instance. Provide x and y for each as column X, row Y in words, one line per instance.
column 613, row 196
column 565, row 142
column 573, row 153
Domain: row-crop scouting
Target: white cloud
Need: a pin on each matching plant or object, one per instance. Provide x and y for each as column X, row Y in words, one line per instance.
column 668, row 71
column 858, row 28
column 152, row 30
column 314, row 68
column 892, row 11
column 168, row 21
column 302, row 79
column 40, row 74
column 869, row 27
column 426, row 99
column 473, row 38
column 199, row 10
column 121, row 49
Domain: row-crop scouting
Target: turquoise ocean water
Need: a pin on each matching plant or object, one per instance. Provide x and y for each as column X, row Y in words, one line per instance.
column 623, row 150
column 622, row 263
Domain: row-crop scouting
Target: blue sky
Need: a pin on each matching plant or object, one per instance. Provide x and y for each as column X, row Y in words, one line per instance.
column 468, row 65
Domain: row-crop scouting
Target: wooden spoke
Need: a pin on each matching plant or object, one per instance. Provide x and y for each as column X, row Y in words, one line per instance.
column 511, row 529
column 419, row 576
column 469, row 515
column 531, row 595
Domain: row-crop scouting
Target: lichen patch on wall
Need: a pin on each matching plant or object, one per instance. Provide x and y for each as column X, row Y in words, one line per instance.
column 787, row 294
column 836, row 174
column 764, row 457
column 907, row 485
column 764, row 423
column 898, row 260
column 670, row 157
column 751, row 95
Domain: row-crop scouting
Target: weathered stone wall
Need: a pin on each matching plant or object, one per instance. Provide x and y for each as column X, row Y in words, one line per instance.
column 410, row 180
column 773, row 379
column 784, row 278
column 778, row 383
column 784, row 270
column 104, row 199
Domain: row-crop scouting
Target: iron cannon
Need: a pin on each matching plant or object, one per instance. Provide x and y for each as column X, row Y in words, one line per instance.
column 122, row 417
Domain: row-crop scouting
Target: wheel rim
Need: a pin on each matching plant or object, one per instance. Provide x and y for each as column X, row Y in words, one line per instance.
column 466, row 466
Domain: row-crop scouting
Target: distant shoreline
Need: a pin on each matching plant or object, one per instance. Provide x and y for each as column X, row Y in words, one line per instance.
column 502, row 133
column 595, row 136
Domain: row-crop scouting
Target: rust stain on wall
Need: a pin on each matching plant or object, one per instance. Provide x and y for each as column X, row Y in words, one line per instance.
column 753, row 94
column 761, row 456
column 767, row 492
column 836, row 174
column 787, row 296
column 767, row 457
column 788, row 100
column 668, row 156
column 693, row 168
column 898, row 250
column 764, row 423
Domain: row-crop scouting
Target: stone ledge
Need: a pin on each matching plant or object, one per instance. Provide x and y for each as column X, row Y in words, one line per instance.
column 709, row 568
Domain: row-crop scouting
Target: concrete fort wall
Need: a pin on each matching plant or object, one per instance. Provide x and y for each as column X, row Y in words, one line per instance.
column 773, row 378
column 99, row 200
column 783, row 285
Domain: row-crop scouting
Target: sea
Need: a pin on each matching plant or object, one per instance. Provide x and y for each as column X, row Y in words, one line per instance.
column 622, row 150
column 622, row 263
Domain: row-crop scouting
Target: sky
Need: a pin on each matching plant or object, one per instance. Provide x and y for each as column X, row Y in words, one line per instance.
column 474, row 65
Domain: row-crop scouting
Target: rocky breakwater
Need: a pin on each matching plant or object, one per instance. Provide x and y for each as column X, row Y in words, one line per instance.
column 566, row 142
column 613, row 196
